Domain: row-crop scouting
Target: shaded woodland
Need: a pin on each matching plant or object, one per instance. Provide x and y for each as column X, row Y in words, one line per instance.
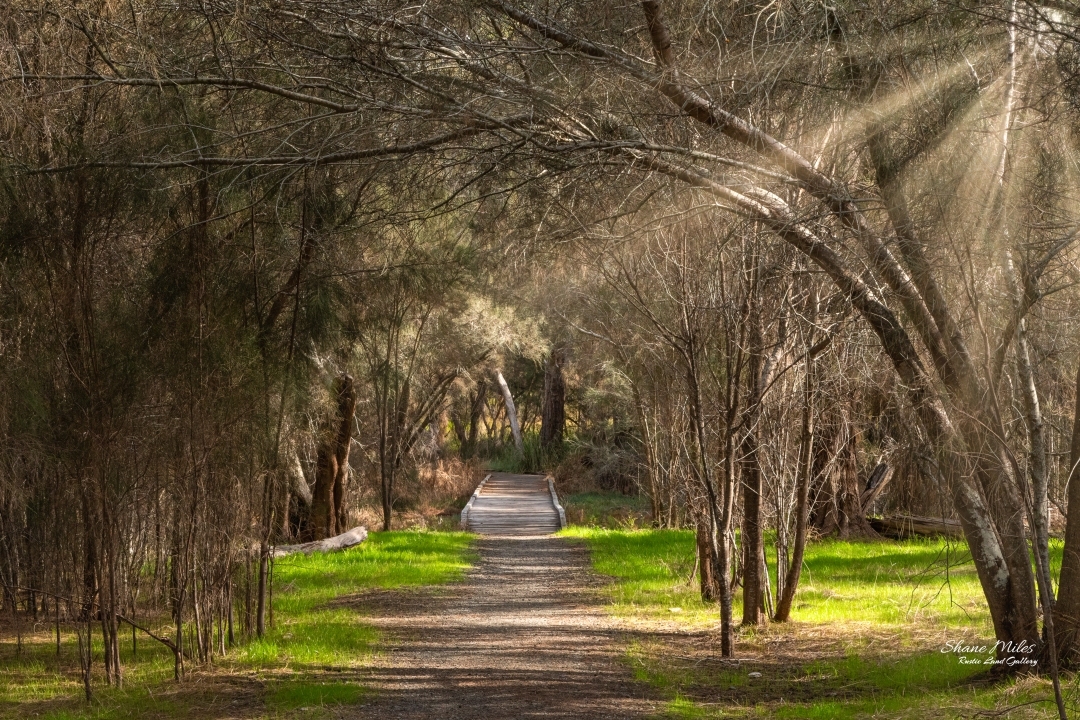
column 778, row 267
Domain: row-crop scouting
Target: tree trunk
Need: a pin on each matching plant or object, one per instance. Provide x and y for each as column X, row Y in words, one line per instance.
column 260, row 612
column 553, row 414
column 467, row 427
column 1037, row 459
column 332, row 464
column 802, row 501
column 722, row 543
column 1067, row 608
column 323, row 517
column 750, row 475
column 387, row 472
column 511, row 412
column 391, row 450
column 710, row 588
column 750, row 469
column 853, row 522
column 342, row 512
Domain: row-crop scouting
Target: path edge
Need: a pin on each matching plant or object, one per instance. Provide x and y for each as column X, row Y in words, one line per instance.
column 555, row 502
column 468, row 506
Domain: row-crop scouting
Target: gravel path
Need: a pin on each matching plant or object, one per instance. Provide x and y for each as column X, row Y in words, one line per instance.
column 523, row 637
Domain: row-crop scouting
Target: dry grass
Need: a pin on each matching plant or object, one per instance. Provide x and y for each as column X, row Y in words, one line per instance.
column 428, row 499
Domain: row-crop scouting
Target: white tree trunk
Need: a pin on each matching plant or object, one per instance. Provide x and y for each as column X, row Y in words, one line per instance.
column 511, row 412
column 299, row 482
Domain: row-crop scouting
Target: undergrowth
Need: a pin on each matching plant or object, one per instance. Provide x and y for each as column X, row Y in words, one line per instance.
column 506, row 458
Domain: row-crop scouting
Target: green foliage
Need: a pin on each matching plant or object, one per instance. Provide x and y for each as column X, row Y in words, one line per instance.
column 507, row 459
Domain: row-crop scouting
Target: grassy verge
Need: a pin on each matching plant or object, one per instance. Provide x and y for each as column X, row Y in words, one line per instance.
column 870, row 622
column 607, row 510
column 303, row 666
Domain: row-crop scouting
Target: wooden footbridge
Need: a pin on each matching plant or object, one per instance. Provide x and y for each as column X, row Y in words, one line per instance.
column 506, row 504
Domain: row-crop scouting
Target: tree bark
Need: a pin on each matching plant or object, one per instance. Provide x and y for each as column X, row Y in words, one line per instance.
column 475, row 413
column 1067, row 608
column 710, row 590
column 802, row 501
column 750, row 475
column 260, row 612
column 721, row 537
column 391, row 449
column 553, row 414
column 757, row 371
column 332, row 464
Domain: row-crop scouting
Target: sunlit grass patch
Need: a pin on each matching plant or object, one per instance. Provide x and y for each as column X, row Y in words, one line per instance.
column 922, row 671
column 32, row 679
column 317, row 637
column 680, row 708
column 652, row 568
column 39, row 674
column 308, row 693
column 869, row 622
column 385, row 560
column 926, row 581
column 306, row 632
column 607, row 509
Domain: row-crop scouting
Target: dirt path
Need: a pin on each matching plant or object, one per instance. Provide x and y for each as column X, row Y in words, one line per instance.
column 524, row 637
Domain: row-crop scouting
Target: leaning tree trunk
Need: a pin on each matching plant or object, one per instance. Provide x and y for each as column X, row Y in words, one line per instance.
column 553, row 413
column 511, row 412
column 333, row 463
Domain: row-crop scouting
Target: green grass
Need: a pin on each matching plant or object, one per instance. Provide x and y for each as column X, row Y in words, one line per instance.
column 607, row 509
column 307, row 632
column 315, row 638
column 868, row 625
column 507, row 459
column 295, row 694
column 927, row 581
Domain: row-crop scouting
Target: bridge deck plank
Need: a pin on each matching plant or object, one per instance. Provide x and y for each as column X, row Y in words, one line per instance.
column 514, row 505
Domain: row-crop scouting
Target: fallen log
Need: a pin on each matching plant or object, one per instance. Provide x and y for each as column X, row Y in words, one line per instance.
column 339, row 542
column 906, row 525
